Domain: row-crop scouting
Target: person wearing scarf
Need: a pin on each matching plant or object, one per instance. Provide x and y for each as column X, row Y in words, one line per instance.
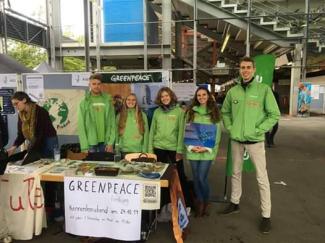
column 34, row 126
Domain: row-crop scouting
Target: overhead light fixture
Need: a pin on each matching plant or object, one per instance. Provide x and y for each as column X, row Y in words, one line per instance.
column 225, row 42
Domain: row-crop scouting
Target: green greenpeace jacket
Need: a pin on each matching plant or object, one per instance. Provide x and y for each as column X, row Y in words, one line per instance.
column 249, row 113
column 132, row 140
column 87, row 125
column 202, row 116
column 166, row 131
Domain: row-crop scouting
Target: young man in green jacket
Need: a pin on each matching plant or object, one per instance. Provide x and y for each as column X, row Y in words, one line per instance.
column 249, row 111
column 96, row 119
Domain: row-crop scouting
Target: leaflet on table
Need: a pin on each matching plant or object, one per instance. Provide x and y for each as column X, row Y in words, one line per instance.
column 39, row 166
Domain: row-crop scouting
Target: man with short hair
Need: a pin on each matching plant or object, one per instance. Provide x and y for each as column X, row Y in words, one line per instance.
column 96, row 119
column 249, row 111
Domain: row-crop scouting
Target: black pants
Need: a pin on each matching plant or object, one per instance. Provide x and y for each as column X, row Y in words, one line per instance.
column 169, row 157
column 269, row 136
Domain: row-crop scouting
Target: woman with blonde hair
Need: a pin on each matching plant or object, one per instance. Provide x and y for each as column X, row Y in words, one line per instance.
column 132, row 127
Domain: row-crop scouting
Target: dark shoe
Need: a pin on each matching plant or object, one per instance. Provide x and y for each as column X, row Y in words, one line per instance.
column 206, row 209
column 232, row 208
column 265, row 226
column 199, row 209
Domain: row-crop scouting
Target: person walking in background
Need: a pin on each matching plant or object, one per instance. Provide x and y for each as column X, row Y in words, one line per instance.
column 96, row 119
column 132, row 127
column 248, row 112
column 203, row 111
column 269, row 135
column 34, row 126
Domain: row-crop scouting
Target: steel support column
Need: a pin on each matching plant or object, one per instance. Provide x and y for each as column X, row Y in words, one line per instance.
column 166, row 33
column 295, row 78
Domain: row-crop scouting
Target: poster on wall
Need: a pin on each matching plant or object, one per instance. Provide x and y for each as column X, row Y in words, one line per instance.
column 146, row 94
column 80, row 79
column 304, row 98
column 315, row 91
column 184, row 91
column 35, row 86
column 8, row 80
column 62, row 106
column 6, row 106
column 103, row 207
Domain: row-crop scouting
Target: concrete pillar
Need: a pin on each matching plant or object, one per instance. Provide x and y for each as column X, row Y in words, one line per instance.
column 295, row 78
column 166, row 34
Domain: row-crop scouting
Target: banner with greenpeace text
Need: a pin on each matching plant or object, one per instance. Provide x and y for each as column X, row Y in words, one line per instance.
column 103, row 207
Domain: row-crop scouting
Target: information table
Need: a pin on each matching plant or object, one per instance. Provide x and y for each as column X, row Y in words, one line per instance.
column 23, row 198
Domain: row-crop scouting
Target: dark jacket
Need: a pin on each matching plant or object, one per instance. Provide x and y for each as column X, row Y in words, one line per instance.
column 43, row 129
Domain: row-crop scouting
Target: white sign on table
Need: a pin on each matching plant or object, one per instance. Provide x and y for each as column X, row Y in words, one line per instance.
column 103, row 207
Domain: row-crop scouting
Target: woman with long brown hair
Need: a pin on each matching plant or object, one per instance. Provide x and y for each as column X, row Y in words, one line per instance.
column 34, row 125
column 203, row 113
column 132, row 127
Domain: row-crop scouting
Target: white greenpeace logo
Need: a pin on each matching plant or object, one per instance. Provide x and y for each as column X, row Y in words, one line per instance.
column 246, row 155
column 130, row 78
column 259, row 78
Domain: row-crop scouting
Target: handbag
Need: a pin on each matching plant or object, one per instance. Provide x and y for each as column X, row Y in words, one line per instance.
column 143, row 157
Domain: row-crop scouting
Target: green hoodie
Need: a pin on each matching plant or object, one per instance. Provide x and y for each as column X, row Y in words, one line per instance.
column 249, row 113
column 132, row 140
column 87, row 125
column 166, row 131
column 201, row 115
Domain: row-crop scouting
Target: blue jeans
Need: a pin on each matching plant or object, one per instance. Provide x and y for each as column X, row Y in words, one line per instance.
column 200, row 170
column 100, row 147
column 48, row 147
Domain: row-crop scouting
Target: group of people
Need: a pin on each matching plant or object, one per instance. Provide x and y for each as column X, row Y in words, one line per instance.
column 100, row 131
column 248, row 112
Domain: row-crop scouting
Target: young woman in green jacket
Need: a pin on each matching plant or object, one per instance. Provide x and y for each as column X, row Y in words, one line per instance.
column 165, row 138
column 132, row 127
column 203, row 110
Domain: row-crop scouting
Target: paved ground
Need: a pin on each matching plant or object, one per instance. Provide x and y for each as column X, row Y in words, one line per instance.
column 298, row 209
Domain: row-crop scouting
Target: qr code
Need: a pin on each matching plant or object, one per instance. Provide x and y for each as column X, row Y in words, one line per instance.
column 150, row 191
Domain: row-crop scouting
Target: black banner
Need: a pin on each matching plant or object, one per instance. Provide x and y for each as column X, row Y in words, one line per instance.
column 141, row 77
